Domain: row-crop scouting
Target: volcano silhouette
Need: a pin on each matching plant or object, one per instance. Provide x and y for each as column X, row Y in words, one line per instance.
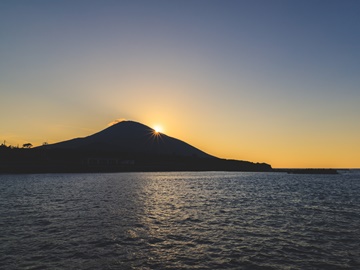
column 132, row 137
column 124, row 147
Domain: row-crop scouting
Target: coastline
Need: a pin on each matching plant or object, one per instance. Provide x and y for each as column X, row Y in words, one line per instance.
column 308, row 171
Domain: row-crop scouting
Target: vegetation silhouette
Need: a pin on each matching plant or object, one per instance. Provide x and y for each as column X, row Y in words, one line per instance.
column 27, row 145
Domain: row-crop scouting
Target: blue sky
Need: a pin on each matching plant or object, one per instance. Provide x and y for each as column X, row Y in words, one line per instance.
column 273, row 81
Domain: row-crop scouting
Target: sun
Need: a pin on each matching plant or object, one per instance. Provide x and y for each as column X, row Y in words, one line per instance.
column 157, row 129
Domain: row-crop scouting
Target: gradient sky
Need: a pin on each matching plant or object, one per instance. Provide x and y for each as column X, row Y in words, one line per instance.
column 266, row 81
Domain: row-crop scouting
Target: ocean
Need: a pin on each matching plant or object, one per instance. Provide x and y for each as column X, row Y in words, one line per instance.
column 180, row 220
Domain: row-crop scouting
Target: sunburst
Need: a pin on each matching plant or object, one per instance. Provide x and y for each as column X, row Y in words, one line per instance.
column 156, row 134
column 158, row 129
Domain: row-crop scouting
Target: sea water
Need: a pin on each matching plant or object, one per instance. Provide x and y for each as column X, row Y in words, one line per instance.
column 186, row 220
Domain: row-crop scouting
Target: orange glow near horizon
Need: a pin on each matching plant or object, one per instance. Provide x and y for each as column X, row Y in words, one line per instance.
column 224, row 79
column 292, row 151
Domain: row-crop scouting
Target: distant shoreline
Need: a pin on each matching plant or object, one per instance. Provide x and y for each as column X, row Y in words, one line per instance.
column 316, row 171
column 308, row 171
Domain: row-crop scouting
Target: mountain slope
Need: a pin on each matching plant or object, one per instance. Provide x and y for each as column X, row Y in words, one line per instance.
column 132, row 137
column 125, row 146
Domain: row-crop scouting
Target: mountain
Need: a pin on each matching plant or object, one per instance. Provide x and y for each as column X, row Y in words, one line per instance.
column 132, row 137
column 125, row 146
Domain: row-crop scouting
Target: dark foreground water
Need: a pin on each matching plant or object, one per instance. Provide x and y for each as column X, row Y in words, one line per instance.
column 205, row 220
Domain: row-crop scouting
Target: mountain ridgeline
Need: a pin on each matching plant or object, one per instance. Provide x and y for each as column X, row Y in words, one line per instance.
column 125, row 146
column 132, row 137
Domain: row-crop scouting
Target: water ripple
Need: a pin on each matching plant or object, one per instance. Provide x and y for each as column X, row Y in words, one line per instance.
column 208, row 220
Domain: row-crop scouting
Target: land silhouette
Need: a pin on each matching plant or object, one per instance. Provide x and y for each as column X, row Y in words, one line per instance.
column 125, row 146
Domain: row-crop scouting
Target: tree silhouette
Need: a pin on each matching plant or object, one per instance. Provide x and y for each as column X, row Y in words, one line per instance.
column 27, row 145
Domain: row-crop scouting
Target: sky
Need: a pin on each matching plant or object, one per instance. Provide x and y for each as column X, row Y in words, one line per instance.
column 265, row 81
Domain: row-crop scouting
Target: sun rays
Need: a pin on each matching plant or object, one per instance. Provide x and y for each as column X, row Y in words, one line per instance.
column 156, row 134
column 158, row 129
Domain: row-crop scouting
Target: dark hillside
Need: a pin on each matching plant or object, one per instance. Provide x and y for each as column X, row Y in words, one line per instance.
column 126, row 146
